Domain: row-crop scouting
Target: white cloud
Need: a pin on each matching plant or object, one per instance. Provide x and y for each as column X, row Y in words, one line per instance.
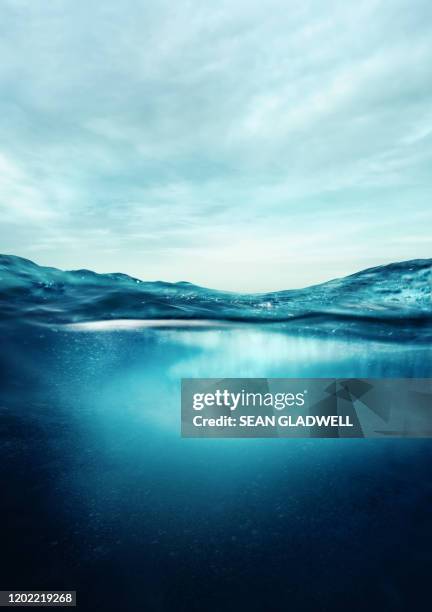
column 20, row 196
column 135, row 131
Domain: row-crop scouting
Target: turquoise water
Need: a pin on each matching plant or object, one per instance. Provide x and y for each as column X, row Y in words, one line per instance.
column 387, row 301
column 104, row 496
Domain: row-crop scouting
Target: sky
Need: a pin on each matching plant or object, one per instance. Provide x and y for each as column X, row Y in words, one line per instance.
column 239, row 145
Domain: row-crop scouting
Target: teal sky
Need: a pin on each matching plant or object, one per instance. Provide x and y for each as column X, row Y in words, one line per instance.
column 238, row 145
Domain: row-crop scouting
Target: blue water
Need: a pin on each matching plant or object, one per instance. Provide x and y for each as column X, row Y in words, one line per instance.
column 398, row 294
column 102, row 495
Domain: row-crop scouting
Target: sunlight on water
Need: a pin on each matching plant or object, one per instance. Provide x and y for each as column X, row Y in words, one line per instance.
column 139, row 370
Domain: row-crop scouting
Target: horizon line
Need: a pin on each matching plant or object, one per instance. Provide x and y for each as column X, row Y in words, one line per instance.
column 77, row 270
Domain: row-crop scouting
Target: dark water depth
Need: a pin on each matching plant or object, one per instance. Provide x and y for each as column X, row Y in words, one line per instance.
column 100, row 494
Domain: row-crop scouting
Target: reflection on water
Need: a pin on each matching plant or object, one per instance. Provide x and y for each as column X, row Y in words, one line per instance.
column 104, row 494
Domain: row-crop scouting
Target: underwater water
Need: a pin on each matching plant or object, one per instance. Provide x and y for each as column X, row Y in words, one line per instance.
column 102, row 495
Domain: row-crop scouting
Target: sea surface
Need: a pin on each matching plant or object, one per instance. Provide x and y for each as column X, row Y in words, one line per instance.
column 100, row 494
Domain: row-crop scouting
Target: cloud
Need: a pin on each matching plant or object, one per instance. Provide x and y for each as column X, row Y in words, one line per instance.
column 21, row 196
column 152, row 137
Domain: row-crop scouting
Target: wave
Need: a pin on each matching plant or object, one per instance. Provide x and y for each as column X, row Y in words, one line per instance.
column 397, row 294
